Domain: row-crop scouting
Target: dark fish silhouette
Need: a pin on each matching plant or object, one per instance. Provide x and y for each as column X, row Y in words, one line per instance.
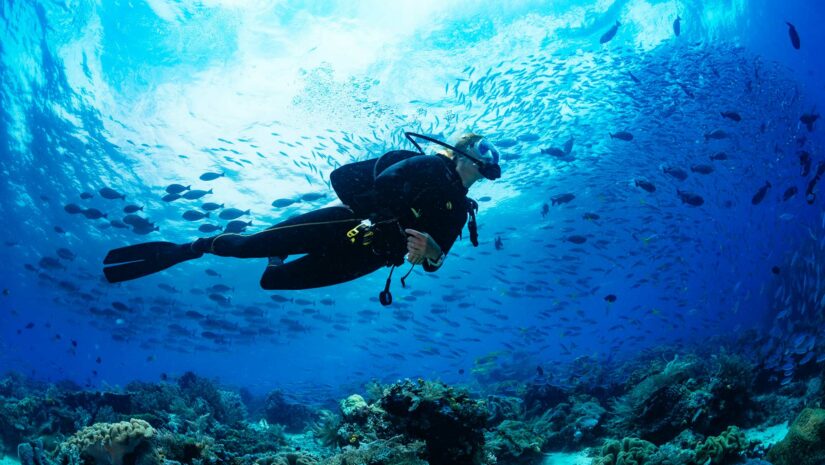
column 176, row 188
column 210, row 176
column 561, row 198
column 232, row 213
column 760, row 194
column 281, row 203
column 690, row 198
column 789, row 193
column 677, row 26
column 194, row 215
column 635, row 79
column 677, row 173
column 196, row 194
column 717, row 134
column 804, row 160
column 622, row 135
column 810, row 194
column 111, row 194
column 794, row 35
column 646, row 185
column 610, row 298
column 576, row 239
column 702, row 169
column 719, row 156
column 607, row 36
column 808, row 120
column 731, row 115
column 132, row 209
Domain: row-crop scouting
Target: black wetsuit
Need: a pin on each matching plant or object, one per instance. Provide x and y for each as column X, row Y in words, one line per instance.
column 424, row 193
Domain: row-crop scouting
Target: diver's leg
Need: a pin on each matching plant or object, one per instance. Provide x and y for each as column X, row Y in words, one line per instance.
column 319, row 270
column 315, row 231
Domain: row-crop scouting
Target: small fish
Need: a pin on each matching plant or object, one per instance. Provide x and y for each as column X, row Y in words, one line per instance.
column 93, row 214
column 677, row 173
column 701, row 169
column 527, row 137
column 808, row 120
column 59, row 230
column 576, row 239
column 545, row 209
column 634, row 78
column 719, row 156
column 220, row 299
column 499, row 244
column 281, row 203
column 176, row 188
column 132, row 209
column 789, row 193
column 506, row 143
column 196, row 194
column 717, row 135
column 561, row 198
column 554, row 152
column 65, row 254
column 590, row 216
column 731, row 115
column 118, row 224
column 312, row 196
column 805, row 160
column 608, row 36
column 232, row 213
column 622, row 135
column 610, row 298
column 794, row 35
column 690, row 198
column 677, row 26
column 237, row 226
column 111, row 194
column 194, row 215
column 646, row 185
column 209, row 228
column 212, row 272
column 170, row 197
column 86, row 195
column 72, row 209
column 211, row 206
column 210, row 176
column 760, row 194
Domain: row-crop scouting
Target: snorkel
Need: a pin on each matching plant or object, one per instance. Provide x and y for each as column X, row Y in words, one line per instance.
column 490, row 170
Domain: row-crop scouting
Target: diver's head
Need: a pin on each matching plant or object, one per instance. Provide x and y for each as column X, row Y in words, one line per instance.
column 475, row 158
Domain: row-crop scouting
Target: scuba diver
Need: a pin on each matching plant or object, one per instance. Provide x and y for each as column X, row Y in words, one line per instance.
column 403, row 204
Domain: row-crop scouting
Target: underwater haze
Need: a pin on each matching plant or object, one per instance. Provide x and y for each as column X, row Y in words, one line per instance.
column 659, row 200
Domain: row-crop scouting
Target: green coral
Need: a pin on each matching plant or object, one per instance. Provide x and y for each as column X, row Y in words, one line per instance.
column 805, row 442
column 725, row 448
column 628, row 451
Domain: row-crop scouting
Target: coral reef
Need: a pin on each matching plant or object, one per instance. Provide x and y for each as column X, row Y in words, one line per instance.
column 294, row 417
column 110, row 443
column 805, row 442
column 728, row 447
column 446, row 419
column 628, row 451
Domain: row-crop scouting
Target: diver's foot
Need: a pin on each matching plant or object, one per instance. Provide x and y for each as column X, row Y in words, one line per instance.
column 275, row 261
column 202, row 245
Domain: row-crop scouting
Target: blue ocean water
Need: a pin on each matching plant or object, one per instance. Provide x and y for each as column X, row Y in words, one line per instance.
column 136, row 96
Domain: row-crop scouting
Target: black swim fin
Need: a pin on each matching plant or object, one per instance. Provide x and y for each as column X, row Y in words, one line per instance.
column 139, row 260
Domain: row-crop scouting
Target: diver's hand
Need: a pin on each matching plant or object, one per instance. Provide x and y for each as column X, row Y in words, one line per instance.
column 420, row 246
